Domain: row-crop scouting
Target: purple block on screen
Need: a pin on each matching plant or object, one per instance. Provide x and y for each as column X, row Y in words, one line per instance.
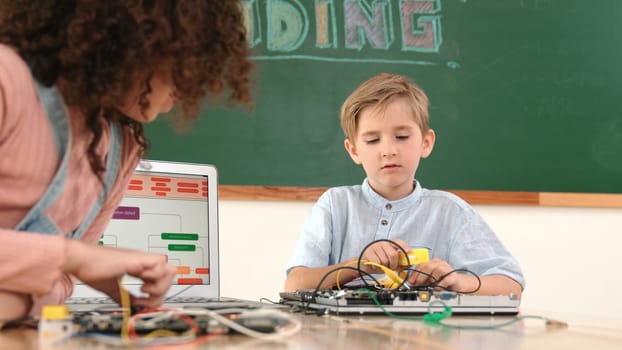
column 126, row 213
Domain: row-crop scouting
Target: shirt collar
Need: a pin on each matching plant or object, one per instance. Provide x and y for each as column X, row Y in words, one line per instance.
column 380, row 202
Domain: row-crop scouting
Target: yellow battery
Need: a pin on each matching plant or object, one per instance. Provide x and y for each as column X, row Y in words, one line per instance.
column 55, row 324
column 415, row 256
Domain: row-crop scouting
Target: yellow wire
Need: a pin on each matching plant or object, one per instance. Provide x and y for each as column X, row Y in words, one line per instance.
column 159, row 333
column 125, row 307
column 125, row 326
column 397, row 280
column 339, row 274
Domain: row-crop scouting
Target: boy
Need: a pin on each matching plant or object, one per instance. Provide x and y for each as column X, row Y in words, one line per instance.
column 386, row 124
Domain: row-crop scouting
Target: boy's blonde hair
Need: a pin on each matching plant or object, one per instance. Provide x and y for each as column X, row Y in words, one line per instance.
column 378, row 92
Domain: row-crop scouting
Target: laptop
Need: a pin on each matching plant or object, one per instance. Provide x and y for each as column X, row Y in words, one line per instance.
column 372, row 301
column 169, row 208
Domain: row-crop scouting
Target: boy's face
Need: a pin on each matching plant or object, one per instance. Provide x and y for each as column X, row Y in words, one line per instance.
column 389, row 144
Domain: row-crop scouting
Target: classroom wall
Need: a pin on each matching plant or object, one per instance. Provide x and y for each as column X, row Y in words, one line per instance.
column 569, row 255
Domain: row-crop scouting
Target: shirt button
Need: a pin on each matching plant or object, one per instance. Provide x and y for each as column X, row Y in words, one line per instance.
column 388, row 206
column 384, row 222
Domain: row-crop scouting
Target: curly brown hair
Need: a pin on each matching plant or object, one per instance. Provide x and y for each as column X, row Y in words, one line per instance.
column 101, row 49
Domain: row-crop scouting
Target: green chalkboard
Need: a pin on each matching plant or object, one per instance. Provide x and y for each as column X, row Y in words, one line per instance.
column 526, row 95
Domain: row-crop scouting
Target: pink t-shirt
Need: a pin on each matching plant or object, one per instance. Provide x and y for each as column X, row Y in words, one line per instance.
column 29, row 262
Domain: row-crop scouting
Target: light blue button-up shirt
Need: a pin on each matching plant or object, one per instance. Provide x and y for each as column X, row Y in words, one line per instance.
column 345, row 219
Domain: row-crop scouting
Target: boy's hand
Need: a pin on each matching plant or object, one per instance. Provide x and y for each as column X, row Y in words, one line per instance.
column 433, row 270
column 430, row 272
column 384, row 253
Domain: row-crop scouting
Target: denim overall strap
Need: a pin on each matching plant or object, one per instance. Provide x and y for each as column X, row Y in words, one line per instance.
column 36, row 220
column 112, row 167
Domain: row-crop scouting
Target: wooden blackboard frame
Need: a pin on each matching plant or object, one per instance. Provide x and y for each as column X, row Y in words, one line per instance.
column 549, row 199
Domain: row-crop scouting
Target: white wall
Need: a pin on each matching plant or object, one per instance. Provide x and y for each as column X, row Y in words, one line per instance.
column 568, row 255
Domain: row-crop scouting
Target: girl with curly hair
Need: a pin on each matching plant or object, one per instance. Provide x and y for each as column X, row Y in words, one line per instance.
column 78, row 79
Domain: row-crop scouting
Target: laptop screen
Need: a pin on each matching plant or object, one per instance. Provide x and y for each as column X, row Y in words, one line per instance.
column 171, row 208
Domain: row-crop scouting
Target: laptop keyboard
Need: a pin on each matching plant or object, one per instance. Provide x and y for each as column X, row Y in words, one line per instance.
column 108, row 301
column 89, row 300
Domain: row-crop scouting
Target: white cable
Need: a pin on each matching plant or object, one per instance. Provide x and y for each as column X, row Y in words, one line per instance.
column 151, row 318
column 295, row 324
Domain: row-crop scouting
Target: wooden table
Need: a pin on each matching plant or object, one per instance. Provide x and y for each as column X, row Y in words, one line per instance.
column 381, row 332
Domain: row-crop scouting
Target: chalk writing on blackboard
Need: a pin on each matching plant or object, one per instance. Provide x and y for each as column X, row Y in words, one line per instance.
column 323, row 32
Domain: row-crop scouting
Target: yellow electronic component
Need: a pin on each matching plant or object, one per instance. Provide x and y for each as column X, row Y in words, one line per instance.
column 424, row 296
column 55, row 324
column 54, row 312
column 415, row 256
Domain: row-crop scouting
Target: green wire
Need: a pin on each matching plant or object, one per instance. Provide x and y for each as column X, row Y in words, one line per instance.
column 435, row 318
column 493, row 326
